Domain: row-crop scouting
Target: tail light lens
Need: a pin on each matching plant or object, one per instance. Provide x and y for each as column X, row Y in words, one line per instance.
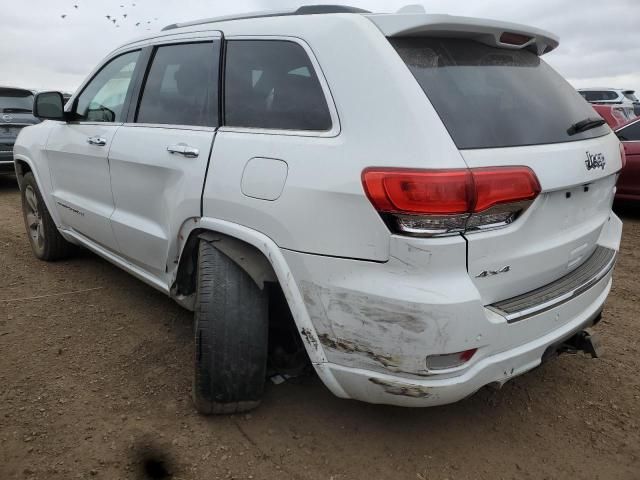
column 441, row 202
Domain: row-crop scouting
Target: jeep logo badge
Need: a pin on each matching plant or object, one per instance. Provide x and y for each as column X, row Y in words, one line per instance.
column 595, row 160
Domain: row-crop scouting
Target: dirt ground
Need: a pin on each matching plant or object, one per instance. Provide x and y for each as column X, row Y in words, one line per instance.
column 89, row 380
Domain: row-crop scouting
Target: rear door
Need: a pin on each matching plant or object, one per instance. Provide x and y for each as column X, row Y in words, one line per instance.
column 507, row 107
column 629, row 182
column 159, row 158
column 77, row 151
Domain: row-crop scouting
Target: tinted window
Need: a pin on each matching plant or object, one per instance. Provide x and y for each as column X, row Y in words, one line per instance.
column 490, row 97
column 630, row 133
column 15, row 100
column 599, row 95
column 631, row 96
column 182, row 86
column 104, row 97
column 272, row 84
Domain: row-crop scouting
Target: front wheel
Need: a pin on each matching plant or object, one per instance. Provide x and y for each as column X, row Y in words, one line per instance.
column 46, row 242
column 231, row 336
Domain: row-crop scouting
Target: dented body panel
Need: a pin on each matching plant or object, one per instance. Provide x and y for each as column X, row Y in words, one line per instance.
column 377, row 323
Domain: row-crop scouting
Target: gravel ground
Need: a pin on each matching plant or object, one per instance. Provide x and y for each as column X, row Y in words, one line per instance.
column 95, row 382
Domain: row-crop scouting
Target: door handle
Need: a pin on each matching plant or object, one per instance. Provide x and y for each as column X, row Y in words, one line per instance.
column 98, row 141
column 185, row 150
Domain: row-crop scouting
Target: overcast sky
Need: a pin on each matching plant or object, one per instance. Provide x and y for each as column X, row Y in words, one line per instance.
column 599, row 40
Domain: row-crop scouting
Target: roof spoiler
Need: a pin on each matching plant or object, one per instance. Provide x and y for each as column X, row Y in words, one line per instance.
column 490, row 32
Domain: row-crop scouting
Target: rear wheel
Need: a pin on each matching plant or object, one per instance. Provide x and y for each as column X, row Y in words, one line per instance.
column 231, row 336
column 46, row 242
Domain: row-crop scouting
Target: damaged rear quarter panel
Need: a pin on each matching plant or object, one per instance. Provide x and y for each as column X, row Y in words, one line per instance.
column 388, row 317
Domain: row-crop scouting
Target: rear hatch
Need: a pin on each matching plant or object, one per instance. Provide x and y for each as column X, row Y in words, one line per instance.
column 15, row 113
column 507, row 107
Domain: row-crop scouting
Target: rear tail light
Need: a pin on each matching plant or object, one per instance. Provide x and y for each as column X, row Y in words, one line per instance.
column 623, row 155
column 442, row 202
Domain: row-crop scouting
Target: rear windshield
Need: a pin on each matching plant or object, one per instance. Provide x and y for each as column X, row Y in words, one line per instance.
column 489, row 97
column 631, row 96
column 15, row 100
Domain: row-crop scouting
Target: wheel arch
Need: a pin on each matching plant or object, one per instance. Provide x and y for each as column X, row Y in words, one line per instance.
column 257, row 255
column 22, row 168
column 24, row 165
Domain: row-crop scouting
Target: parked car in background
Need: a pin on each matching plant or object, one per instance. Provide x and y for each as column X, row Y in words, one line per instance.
column 629, row 181
column 614, row 115
column 452, row 234
column 16, row 106
column 626, row 98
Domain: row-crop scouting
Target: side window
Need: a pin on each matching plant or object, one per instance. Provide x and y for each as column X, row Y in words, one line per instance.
column 272, row 84
column 599, row 96
column 630, row 133
column 182, row 86
column 104, row 97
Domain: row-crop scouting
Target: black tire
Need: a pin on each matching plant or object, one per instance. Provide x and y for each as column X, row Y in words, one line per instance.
column 46, row 242
column 231, row 336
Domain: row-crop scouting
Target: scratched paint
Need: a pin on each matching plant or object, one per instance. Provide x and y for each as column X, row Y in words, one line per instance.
column 393, row 388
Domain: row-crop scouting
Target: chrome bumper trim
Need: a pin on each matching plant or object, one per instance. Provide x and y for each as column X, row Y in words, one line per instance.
column 597, row 266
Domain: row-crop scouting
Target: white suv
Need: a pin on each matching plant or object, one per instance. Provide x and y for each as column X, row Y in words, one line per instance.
column 432, row 200
column 613, row 96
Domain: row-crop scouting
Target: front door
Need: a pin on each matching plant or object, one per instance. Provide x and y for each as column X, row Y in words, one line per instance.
column 159, row 159
column 77, row 152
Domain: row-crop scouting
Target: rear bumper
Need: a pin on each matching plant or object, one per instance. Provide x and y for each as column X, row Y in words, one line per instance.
column 496, row 369
column 378, row 323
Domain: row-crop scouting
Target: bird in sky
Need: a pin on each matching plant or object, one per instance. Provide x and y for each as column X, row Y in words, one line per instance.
column 75, row 6
column 63, row 16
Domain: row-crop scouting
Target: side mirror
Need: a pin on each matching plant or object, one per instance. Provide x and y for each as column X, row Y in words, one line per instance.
column 49, row 106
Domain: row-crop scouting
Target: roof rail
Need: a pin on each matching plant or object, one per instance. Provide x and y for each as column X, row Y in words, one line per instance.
column 305, row 10
column 322, row 9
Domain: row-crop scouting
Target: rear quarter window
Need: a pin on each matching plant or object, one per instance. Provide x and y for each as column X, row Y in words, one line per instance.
column 489, row 97
column 271, row 84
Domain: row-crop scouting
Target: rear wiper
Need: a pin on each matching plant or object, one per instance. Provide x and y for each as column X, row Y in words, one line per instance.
column 586, row 124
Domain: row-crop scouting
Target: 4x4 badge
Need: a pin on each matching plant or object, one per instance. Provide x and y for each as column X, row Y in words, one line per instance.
column 595, row 160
